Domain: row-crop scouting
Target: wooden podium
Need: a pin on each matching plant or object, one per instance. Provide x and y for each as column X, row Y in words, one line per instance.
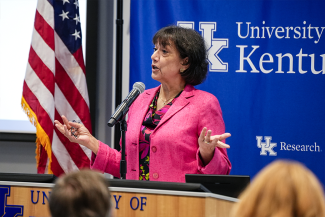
column 31, row 199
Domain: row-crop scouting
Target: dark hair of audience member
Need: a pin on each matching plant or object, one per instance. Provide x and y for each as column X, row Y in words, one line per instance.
column 83, row 193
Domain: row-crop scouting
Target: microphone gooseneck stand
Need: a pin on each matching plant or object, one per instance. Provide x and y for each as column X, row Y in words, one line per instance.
column 119, row 117
column 123, row 128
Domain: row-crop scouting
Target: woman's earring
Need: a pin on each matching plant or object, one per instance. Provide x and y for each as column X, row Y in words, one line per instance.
column 181, row 70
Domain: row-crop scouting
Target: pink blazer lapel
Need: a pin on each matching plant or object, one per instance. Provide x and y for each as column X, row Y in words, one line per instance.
column 142, row 107
column 182, row 101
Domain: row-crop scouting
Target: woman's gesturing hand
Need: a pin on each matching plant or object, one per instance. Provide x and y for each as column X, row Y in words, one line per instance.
column 77, row 133
column 208, row 143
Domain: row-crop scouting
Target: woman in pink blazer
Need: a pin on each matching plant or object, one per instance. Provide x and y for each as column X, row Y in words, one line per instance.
column 167, row 134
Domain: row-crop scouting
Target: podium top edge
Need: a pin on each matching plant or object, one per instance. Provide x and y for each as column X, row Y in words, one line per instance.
column 130, row 190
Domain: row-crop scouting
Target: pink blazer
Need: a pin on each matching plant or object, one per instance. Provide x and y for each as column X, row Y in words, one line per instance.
column 174, row 149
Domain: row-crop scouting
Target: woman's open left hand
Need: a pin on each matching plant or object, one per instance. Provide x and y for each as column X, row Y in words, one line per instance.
column 208, row 143
column 77, row 133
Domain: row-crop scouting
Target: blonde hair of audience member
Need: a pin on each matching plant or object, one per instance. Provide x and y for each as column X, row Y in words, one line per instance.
column 83, row 193
column 282, row 189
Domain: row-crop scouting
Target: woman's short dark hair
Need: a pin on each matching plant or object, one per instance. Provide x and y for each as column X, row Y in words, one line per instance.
column 190, row 44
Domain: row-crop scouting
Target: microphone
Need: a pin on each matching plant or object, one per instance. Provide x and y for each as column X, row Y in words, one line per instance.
column 123, row 108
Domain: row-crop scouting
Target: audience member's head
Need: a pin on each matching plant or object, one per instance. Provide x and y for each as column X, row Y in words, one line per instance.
column 83, row 193
column 282, row 189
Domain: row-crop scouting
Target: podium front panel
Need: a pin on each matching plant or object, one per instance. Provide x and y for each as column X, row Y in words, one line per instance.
column 32, row 199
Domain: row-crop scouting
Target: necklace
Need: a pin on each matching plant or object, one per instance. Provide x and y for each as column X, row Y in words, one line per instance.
column 167, row 101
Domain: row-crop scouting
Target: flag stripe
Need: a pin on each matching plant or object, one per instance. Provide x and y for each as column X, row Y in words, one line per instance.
column 43, row 95
column 71, row 67
column 46, row 54
column 59, row 150
column 41, row 70
column 46, row 11
column 72, row 94
column 44, row 30
column 56, row 167
column 79, row 58
column 64, row 108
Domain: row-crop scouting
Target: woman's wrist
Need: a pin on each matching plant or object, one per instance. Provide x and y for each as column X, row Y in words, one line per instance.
column 93, row 144
column 206, row 156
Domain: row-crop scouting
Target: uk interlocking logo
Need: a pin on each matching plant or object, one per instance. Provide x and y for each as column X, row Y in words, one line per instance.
column 266, row 146
column 214, row 45
column 5, row 209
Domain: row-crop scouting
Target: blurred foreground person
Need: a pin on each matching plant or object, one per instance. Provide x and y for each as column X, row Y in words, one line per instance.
column 83, row 193
column 282, row 189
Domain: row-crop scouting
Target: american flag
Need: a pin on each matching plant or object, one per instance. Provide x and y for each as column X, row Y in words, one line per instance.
column 55, row 85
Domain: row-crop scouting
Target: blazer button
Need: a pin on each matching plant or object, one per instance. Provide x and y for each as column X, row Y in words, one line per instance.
column 155, row 175
column 154, row 149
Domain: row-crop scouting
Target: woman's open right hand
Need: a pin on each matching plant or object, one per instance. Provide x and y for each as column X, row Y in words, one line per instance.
column 208, row 143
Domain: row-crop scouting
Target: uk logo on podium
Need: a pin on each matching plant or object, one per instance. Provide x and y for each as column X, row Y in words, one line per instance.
column 5, row 209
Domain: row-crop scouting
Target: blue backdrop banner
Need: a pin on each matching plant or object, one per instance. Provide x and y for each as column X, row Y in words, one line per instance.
column 267, row 68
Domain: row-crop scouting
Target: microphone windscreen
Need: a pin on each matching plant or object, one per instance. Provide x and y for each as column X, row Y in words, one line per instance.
column 139, row 86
